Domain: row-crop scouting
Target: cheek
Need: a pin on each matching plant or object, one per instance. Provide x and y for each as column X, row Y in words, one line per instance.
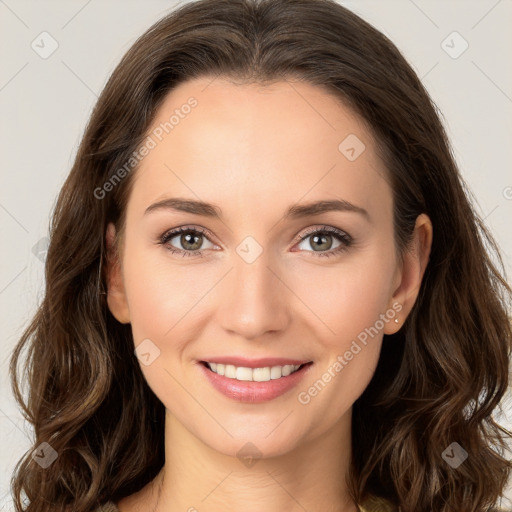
column 337, row 300
column 350, row 313
column 164, row 300
column 344, row 300
column 162, row 294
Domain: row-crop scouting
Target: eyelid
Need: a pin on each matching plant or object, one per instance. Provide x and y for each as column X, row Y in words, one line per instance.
column 323, row 228
column 171, row 233
column 297, row 238
column 346, row 239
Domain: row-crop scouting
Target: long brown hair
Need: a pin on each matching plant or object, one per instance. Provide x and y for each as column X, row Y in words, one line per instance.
column 440, row 378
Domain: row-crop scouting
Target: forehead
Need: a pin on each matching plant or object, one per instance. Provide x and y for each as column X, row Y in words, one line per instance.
column 225, row 143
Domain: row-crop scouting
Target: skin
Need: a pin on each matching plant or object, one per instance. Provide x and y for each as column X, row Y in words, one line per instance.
column 254, row 151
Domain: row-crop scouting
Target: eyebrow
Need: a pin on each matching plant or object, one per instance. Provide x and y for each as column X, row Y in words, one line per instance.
column 297, row 211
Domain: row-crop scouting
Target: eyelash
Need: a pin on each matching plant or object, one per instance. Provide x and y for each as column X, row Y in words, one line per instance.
column 345, row 239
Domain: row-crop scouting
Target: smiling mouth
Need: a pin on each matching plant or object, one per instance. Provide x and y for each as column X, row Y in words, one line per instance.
column 263, row 374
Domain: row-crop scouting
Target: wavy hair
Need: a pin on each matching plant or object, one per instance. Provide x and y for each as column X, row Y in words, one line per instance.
column 439, row 379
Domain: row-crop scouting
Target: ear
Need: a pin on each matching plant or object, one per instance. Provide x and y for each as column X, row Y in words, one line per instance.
column 116, row 296
column 410, row 274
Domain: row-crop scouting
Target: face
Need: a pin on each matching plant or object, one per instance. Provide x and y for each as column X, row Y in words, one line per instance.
column 250, row 279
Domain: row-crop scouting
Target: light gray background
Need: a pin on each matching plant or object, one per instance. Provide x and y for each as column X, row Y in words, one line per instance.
column 45, row 103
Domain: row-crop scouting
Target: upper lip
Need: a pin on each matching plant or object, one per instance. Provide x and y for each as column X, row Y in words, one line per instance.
column 255, row 363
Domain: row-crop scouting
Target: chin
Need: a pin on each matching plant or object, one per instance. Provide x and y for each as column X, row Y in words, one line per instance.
column 247, row 444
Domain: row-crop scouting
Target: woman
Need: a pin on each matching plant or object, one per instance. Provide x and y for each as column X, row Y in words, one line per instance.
column 266, row 288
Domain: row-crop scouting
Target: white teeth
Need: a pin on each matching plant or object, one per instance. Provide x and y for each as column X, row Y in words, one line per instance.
column 229, row 371
column 275, row 372
column 253, row 374
column 287, row 369
column 242, row 373
column 261, row 374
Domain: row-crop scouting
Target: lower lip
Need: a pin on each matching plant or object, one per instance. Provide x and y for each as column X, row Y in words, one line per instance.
column 254, row 392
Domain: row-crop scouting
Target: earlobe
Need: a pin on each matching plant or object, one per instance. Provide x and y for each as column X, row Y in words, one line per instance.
column 415, row 262
column 116, row 295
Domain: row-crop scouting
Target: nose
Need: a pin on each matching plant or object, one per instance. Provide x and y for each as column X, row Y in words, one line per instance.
column 253, row 300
